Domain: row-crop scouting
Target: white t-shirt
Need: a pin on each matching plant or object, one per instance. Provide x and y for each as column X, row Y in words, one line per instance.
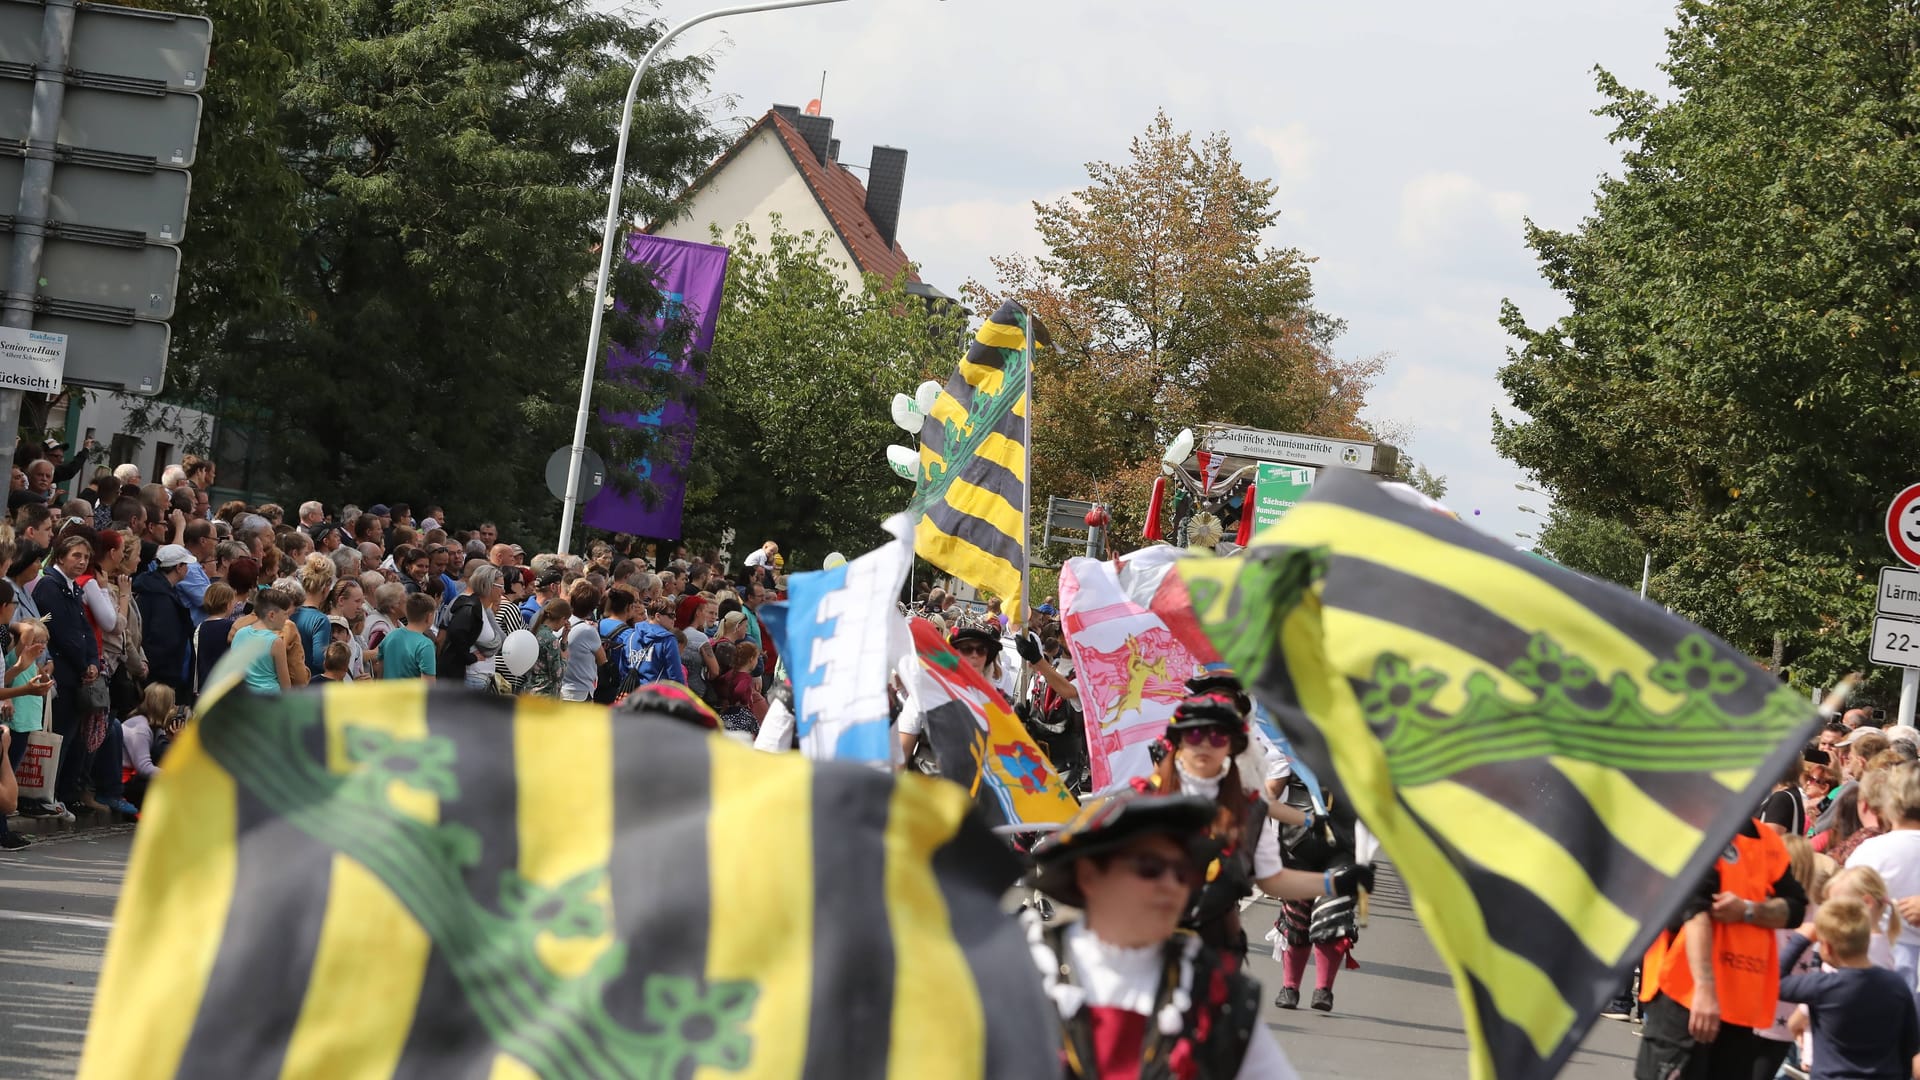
column 582, row 667
column 911, row 719
column 757, row 557
column 1266, row 850
column 1896, row 856
column 1129, row 979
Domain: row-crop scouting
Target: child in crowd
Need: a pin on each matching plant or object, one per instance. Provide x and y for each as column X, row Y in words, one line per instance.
column 1864, row 885
column 269, row 671
column 550, row 629
column 1865, row 1023
column 409, row 653
column 334, row 663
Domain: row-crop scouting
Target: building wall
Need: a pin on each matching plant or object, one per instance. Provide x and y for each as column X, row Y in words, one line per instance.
column 759, row 182
column 105, row 419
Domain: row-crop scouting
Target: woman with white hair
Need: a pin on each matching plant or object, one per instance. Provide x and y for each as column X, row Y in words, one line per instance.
column 473, row 634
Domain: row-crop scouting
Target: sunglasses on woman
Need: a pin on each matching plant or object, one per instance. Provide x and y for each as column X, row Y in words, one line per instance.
column 1149, row 867
column 1207, row 736
column 970, row 648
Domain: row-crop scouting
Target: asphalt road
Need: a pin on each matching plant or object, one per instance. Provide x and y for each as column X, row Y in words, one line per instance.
column 56, row 905
column 1397, row 1017
column 1394, row 1018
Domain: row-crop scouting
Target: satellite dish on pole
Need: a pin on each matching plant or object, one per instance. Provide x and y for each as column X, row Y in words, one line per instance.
column 813, row 107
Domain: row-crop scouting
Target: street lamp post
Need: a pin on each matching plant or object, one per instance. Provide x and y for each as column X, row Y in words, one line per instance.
column 567, row 502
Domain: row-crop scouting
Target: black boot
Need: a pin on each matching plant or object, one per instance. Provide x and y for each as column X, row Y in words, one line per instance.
column 1323, row 1000
column 1287, row 998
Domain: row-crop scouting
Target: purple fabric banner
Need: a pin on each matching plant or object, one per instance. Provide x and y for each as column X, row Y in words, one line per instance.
column 692, row 277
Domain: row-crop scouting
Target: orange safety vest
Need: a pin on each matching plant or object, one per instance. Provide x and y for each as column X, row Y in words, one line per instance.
column 1746, row 961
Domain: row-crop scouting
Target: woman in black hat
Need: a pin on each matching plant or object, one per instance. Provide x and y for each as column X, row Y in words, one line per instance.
column 1207, row 732
column 1137, row 995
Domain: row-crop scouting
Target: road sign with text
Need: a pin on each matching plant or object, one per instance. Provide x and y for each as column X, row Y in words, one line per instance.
column 124, row 124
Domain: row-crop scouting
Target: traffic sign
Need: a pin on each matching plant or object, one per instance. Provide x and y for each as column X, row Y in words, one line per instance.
column 166, row 50
column 1903, row 525
column 1277, row 489
column 1065, row 516
column 109, row 204
column 1896, row 642
column 103, row 281
column 593, row 473
column 129, row 358
column 109, row 127
column 1899, row 592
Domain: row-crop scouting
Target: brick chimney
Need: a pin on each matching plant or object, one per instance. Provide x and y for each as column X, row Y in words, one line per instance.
column 886, row 182
column 818, row 131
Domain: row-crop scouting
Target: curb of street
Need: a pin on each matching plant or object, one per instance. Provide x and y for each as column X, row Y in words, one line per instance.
column 83, row 820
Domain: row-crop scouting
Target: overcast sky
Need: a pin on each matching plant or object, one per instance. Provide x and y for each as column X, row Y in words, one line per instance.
column 1408, row 141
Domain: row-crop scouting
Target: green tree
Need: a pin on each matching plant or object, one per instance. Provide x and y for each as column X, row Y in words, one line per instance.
column 1593, row 545
column 1420, row 478
column 1169, row 310
column 794, row 430
column 437, row 174
column 1736, row 382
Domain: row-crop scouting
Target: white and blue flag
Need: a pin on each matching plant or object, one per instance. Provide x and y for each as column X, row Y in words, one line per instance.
column 840, row 636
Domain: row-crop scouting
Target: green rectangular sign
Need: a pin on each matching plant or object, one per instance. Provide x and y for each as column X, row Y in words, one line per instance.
column 1276, row 488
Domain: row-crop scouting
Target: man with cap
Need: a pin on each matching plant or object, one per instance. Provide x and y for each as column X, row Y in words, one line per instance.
column 1137, row 996
column 64, row 470
column 546, row 586
column 167, row 623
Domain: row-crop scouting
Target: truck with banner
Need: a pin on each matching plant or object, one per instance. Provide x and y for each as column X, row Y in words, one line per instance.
column 1216, row 490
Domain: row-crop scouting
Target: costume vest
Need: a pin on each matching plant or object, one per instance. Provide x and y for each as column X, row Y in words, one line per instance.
column 1211, row 1035
column 1746, row 968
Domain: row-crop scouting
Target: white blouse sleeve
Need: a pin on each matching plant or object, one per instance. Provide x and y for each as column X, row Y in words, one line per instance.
column 1266, row 850
column 100, row 606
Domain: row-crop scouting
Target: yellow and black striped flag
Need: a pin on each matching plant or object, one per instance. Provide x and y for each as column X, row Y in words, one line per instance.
column 1551, row 763
column 382, row 880
column 971, row 499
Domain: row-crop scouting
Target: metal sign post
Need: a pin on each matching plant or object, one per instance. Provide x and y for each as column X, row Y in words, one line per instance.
column 36, row 187
column 99, row 117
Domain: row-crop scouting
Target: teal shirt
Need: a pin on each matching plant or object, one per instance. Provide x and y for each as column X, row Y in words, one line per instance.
column 29, row 710
column 262, row 676
column 406, row 654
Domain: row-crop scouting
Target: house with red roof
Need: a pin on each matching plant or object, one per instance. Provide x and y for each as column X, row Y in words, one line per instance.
column 788, row 163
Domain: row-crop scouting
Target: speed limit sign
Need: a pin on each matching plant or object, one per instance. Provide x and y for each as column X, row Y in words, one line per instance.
column 1903, row 525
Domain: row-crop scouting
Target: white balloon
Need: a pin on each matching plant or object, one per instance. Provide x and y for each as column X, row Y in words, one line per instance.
column 905, row 461
column 905, row 415
column 1180, row 448
column 832, row 560
column 520, row 650
column 926, row 395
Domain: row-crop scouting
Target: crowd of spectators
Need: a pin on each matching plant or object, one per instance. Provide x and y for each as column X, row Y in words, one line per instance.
column 119, row 600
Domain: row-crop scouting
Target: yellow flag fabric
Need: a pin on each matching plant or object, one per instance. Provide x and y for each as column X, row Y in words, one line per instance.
column 1552, row 764
column 971, row 498
column 386, row 880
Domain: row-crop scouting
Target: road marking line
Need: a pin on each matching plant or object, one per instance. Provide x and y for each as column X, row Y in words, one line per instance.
column 55, row 1030
column 91, row 921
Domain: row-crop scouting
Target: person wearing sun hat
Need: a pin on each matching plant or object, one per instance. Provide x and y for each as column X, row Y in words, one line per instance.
column 1205, row 735
column 1136, row 994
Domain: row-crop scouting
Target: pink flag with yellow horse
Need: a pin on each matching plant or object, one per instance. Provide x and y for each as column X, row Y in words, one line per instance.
column 1130, row 669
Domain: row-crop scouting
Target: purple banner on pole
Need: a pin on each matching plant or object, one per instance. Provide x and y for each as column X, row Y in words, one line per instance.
column 692, row 277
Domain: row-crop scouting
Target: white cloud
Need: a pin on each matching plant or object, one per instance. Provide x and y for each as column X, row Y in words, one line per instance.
column 1294, row 151
column 1444, row 213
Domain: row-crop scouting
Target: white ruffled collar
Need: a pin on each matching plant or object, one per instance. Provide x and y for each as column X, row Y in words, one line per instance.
column 1199, row 785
